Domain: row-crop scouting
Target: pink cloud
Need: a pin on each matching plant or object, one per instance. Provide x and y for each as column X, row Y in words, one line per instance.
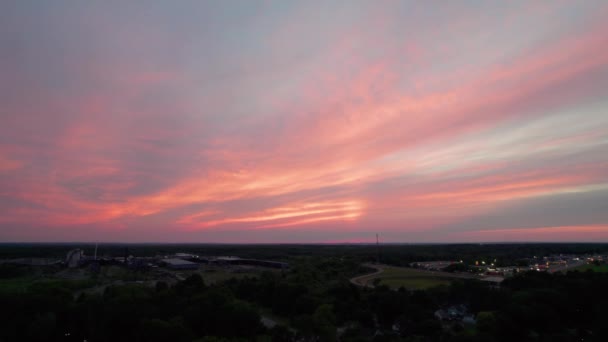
column 562, row 233
column 363, row 123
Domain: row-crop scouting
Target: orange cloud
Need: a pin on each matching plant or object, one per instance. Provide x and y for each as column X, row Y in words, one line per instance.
column 290, row 215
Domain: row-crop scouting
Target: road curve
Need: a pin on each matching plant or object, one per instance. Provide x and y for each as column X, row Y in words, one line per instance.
column 362, row 281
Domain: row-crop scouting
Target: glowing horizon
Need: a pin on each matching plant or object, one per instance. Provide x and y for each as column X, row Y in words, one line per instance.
column 262, row 121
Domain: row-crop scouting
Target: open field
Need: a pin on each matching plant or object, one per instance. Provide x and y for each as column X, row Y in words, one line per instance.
column 24, row 284
column 15, row 285
column 410, row 278
column 603, row 268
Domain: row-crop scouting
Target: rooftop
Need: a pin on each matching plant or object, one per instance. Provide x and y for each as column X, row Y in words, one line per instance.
column 175, row 262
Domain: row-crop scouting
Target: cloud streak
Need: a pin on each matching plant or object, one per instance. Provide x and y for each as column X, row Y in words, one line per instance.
column 414, row 120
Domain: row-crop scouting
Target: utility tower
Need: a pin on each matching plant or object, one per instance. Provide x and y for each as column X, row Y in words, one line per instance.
column 377, row 249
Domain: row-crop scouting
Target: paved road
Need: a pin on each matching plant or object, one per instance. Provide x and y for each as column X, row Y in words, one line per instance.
column 363, row 280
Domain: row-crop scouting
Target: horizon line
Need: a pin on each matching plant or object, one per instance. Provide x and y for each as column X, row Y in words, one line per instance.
column 298, row 243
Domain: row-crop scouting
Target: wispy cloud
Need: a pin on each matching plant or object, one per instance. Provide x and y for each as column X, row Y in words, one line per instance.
column 402, row 117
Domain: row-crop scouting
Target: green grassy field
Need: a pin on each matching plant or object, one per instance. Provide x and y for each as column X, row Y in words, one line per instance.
column 603, row 268
column 80, row 279
column 395, row 278
column 24, row 284
column 15, row 285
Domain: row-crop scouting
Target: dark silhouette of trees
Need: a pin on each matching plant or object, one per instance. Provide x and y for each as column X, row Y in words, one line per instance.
column 313, row 301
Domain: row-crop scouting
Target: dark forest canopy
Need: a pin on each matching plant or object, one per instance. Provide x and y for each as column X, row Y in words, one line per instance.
column 312, row 301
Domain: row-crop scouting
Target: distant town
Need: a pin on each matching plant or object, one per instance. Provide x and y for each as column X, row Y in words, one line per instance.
column 170, row 267
column 490, row 271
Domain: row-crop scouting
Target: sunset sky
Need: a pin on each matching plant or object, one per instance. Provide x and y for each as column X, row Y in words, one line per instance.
column 303, row 121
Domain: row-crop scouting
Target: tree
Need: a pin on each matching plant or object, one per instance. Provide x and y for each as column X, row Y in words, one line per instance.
column 161, row 286
column 325, row 323
column 281, row 333
column 42, row 327
column 157, row 330
column 486, row 321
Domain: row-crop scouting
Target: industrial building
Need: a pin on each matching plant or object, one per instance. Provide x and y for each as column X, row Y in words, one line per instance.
column 180, row 264
column 231, row 260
